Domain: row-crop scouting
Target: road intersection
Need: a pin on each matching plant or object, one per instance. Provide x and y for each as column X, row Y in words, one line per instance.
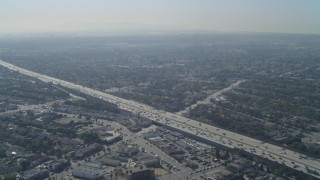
column 211, row 133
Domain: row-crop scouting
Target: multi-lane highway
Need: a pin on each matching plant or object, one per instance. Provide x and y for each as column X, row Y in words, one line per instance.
column 214, row 134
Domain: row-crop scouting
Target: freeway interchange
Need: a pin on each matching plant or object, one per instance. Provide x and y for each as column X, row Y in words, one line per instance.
column 211, row 133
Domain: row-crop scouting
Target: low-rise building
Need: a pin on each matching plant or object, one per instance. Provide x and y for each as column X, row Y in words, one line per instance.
column 87, row 151
column 236, row 168
column 152, row 162
column 141, row 174
column 87, row 172
column 93, row 165
column 35, row 174
column 110, row 162
column 58, row 165
column 112, row 139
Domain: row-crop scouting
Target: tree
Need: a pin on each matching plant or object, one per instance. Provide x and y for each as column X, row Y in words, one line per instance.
column 3, row 154
column 9, row 177
column 24, row 165
column 218, row 153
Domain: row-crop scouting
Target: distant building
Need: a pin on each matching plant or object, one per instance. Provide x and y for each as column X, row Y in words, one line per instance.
column 58, row 165
column 112, row 139
column 280, row 139
column 107, row 134
column 87, row 172
column 141, row 174
column 93, row 165
column 184, row 145
column 110, row 162
column 35, row 174
column 37, row 160
column 177, row 135
column 143, row 156
column 116, row 156
column 171, row 137
column 87, row 151
column 152, row 134
column 236, row 168
column 129, row 152
column 152, row 163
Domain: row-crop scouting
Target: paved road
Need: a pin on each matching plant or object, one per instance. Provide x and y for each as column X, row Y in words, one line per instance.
column 208, row 99
column 137, row 138
column 224, row 137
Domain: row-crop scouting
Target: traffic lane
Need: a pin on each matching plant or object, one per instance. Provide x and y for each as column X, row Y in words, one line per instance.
column 273, row 149
column 136, row 138
column 45, row 78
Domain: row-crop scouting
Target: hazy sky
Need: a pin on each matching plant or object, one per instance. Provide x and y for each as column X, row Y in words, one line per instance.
column 293, row 16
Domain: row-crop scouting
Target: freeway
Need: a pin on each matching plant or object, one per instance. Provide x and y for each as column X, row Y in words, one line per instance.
column 214, row 134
